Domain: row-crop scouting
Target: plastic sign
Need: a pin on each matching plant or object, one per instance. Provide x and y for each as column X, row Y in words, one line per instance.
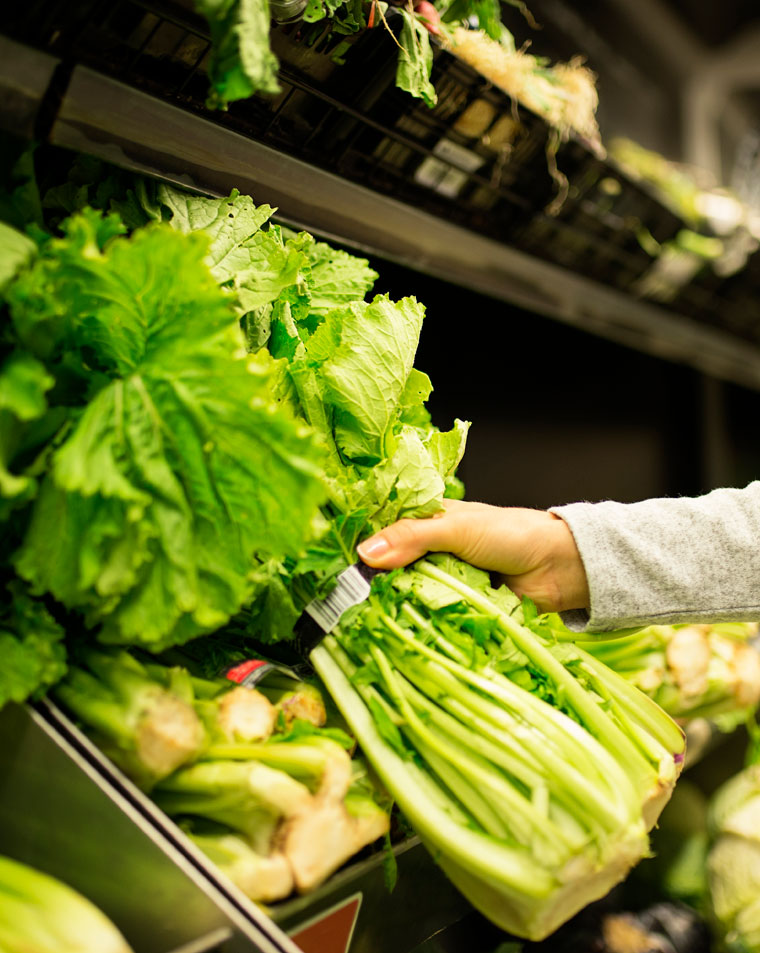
column 331, row 930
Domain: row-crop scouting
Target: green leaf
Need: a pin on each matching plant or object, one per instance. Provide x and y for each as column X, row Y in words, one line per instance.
column 181, row 466
column 23, row 384
column 415, row 60
column 412, row 404
column 300, row 728
column 271, row 613
column 408, row 483
column 16, row 250
column 336, row 278
column 19, row 196
column 446, row 448
column 366, row 374
column 242, row 62
column 390, row 865
column 387, row 730
column 31, row 647
column 229, row 223
column 258, row 265
column 488, row 13
column 315, row 11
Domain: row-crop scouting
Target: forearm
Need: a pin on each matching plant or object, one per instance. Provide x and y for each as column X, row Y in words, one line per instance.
column 669, row 560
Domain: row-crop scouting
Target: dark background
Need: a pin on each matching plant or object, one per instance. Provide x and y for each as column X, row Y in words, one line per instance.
column 559, row 415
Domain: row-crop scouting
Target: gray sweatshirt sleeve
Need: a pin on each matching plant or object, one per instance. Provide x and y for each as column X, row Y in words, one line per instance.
column 668, row 560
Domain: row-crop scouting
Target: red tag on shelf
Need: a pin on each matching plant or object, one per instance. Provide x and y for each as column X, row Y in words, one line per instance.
column 249, row 672
column 330, row 931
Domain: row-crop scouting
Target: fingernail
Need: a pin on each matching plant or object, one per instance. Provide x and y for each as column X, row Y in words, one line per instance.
column 373, row 548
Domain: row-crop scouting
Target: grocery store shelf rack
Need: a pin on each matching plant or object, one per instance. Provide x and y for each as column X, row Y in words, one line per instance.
column 59, row 813
column 104, row 117
column 422, row 903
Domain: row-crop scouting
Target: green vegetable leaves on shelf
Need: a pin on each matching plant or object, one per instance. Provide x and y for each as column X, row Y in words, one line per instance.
column 177, row 465
column 415, row 60
column 242, row 62
column 31, row 646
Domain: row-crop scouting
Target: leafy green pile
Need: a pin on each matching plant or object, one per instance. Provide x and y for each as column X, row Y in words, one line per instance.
column 344, row 365
column 531, row 770
column 144, row 456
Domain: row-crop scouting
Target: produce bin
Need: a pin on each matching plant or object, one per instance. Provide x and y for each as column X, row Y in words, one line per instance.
column 183, row 897
column 59, row 813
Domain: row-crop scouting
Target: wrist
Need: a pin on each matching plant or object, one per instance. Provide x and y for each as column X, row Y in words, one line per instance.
column 568, row 573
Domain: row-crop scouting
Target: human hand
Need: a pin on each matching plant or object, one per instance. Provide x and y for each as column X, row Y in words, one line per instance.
column 534, row 550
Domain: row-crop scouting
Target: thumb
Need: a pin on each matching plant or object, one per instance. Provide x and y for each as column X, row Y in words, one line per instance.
column 403, row 542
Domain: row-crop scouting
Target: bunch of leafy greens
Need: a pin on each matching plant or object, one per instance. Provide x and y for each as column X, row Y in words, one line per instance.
column 530, row 769
column 144, row 458
column 342, row 364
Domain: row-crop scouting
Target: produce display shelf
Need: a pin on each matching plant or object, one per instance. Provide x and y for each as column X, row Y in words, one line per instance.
column 59, row 813
column 93, row 803
column 98, row 115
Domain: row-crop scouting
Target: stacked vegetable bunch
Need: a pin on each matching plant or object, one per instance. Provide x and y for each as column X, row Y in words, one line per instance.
column 692, row 671
column 165, row 484
column 733, row 862
column 707, row 855
column 265, row 790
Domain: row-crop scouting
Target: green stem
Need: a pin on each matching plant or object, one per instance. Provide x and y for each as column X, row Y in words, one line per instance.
column 584, row 706
column 514, row 869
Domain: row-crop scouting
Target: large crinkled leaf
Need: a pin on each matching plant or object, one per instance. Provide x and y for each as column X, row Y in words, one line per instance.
column 415, row 60
column 336, row 278
column 257, row 264
column 272, row 267
column 182, row 465
column 242, row 62
column 31, row 647
column 229, row 223
column 366, row 374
